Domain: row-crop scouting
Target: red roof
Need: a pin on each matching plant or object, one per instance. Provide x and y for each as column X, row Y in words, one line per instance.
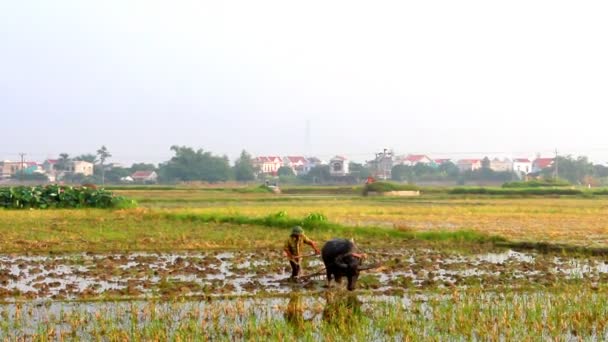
column 543, row 163
column 521, row 160
column 296, row 159
column 469, row 161
column 338, row 158
column 52, row 161
column 141, row 174
column 268, row 159
column 415, row 157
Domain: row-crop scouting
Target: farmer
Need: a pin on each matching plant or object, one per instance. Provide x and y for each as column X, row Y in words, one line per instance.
column 293, row 249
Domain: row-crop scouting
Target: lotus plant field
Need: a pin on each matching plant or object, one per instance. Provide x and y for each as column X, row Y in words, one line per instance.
column 193, row 264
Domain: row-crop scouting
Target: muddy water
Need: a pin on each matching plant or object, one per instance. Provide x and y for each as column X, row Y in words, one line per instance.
column 26, row 319
column 140, row 275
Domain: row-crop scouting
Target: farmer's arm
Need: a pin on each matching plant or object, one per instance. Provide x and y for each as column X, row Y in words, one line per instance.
column 312, row 244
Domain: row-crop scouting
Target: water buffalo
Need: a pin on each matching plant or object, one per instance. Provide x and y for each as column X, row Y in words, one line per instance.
column 341, row 260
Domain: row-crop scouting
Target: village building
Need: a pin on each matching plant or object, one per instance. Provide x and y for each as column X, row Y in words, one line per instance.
column 469, row 164
column 413, row 159
column 143, row 177
column 540, row 164
column 338, row 166
column 296, row 163
column 441, row 161
column 80, row 167
column 522, row 166
column 381, row 167
column 311, row 162
column 9, row 168
column 268, row 164
column 498, row 165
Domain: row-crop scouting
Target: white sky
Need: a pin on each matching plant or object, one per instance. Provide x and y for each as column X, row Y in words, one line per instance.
column 455, row 78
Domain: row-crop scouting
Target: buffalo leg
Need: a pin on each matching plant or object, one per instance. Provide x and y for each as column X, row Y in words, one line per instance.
column 328, row 278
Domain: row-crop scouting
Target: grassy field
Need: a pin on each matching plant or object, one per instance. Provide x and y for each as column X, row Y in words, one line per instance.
column 161, row 224
column 525, row 297
column 567, row 220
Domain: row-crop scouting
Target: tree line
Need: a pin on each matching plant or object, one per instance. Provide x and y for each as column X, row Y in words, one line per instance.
column 191, row 165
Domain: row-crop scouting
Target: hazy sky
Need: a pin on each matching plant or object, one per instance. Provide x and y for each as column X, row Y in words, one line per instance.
column 457, row 78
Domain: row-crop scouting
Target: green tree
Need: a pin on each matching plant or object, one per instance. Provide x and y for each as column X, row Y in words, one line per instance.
column 243, row 168
column 359, row 170
column 91, row 158
column 63, row 162
column 190, row 165
column 485, row 163
column 114, row 174
column 421, row 169
column 402, row 173
column 449, row 169
column 318, row 175
column 103, row 155
column 575, row 170
column 142, row 167
column 285, row 171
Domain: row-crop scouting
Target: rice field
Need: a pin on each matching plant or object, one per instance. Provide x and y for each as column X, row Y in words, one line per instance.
column 207, row 265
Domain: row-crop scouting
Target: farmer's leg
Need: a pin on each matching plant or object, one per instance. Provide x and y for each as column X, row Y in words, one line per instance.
column 295, row 269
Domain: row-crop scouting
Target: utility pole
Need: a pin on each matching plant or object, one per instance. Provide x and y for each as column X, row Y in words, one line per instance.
column 556, row 166
column 22, row 168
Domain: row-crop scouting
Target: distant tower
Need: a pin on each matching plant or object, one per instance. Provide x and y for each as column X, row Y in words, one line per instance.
column 307, row 137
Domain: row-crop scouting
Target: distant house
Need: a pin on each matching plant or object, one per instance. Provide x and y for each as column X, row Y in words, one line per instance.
column 268, row 164
column 501, row 165
column 541, row 163
column 144, row 177
column 80, row 167
column 469, row 164
column 32, row 167
column 413, row 159
column 338, row 166
column 296, row 163
column 522, row 166
column 382, row 165
column 311, row 162
column 9, row 168
column 50, row 166
column 442, row 161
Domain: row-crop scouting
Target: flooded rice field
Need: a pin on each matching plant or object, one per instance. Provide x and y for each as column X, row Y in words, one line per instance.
column 144, row 275
column 331, row 315
column 241, row 295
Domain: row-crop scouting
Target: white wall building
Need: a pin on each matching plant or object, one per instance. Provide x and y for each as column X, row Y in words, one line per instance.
column 81, row 167
column 338, row 166
column 522, row 166
column 268, row 164
column 501, row 165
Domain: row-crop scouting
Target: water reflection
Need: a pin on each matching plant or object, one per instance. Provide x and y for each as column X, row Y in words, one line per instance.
column 294, row 312
column 341, row 307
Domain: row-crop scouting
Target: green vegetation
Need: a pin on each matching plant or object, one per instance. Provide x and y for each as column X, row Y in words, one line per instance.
column 537, row 191
column 194, row 165
column 244, row 171
column 56, row 196
column 318, row 222
column 537, row 183
column 570, row 312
